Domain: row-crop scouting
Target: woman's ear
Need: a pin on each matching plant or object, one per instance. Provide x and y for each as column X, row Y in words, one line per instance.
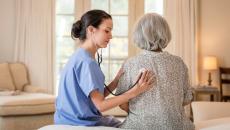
column 90, row 29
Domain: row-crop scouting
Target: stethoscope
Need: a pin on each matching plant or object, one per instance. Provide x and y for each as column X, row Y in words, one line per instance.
column 99, row 60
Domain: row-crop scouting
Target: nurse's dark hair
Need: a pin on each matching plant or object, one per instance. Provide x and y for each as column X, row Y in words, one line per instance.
column 93, row 18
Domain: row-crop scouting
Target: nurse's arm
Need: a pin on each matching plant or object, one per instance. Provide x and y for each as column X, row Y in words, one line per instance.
column 103, row 104
column 114, row 83
column 111, row 87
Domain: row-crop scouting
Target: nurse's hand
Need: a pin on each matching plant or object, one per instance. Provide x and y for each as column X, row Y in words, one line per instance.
column 114, row 83
column 145, row 83
column 119, row 74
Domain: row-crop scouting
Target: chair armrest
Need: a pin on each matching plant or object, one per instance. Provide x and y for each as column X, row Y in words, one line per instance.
column 33, row 89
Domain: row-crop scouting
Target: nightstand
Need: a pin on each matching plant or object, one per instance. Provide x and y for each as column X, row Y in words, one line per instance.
column 207, row 90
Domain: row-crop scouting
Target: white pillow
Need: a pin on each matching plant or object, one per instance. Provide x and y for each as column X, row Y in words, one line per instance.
column 6, row 81
column 19, row 75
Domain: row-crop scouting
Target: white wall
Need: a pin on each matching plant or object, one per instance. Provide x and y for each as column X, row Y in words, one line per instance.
column 7, row 30
column 214, row 35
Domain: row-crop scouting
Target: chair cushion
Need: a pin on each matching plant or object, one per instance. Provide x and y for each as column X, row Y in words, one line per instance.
column 6, row 82
column 19, row 74
column 26, row 104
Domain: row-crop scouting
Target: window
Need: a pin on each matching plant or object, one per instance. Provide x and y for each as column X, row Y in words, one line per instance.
column 123, row 19
column 154, row 6
column 117, row 50
column 64, row 43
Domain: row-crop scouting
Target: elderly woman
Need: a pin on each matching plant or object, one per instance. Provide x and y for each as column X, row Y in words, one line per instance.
column 161, row 108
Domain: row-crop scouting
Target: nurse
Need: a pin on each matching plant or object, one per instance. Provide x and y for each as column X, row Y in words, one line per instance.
column 81, row 97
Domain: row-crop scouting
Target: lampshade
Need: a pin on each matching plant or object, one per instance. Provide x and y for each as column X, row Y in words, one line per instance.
column 210, row 63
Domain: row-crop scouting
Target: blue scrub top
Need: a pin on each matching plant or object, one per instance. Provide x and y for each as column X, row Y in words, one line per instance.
column 80, row 76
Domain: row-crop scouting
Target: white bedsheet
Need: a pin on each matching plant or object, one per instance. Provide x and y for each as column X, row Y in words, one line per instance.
column 214, row 124
column 69, row 127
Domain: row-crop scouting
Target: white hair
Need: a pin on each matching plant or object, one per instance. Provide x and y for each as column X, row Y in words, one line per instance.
column 152, row 32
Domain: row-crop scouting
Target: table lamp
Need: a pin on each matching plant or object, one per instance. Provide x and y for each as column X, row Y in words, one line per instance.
column 210, row 63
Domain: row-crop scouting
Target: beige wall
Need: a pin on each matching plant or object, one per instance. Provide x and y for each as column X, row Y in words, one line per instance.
column 213, row 34
column 7, row 29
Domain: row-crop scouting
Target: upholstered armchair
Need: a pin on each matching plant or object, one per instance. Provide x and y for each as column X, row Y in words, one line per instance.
column 22, row 106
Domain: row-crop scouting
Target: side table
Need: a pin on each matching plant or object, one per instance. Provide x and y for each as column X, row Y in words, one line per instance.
column 207, row 90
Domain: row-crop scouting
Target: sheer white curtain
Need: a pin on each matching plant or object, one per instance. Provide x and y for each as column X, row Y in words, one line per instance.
column 181, row 15
column 34, row 40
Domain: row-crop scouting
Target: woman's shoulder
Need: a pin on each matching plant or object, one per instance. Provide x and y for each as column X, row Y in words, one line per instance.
column 79, row 60
column 174, row 57
column 88, row 62
column 133, row 60
column 178, row 60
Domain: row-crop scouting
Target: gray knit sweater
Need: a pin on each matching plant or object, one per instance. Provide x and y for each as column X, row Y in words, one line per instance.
column 161, row 107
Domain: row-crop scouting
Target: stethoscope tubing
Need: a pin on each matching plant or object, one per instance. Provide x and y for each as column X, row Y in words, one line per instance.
column 99, row 60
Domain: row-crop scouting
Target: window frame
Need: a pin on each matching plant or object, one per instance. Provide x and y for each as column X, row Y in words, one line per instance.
column 136, row 8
